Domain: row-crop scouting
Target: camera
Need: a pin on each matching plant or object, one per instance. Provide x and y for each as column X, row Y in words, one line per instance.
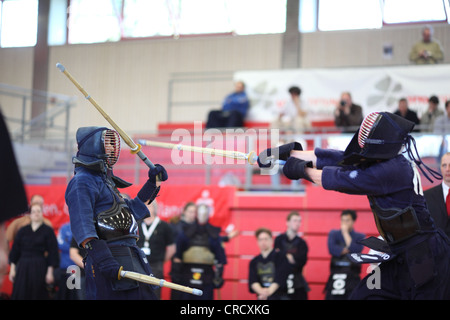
column 342, row 103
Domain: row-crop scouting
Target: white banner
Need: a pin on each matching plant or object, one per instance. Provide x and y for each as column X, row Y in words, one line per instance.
column 374, row 89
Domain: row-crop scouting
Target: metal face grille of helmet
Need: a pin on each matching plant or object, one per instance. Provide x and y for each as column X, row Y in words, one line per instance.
column 111, row 140
column 366, row 127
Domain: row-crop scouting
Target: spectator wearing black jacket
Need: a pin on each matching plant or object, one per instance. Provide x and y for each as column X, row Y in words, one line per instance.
column 404, row 111
column 296, row 251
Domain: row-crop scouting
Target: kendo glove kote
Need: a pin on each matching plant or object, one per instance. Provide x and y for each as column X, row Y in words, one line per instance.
column 149, row 190
column 99, row 251
column 157, row 171
column 266, row 157
column 295, row 169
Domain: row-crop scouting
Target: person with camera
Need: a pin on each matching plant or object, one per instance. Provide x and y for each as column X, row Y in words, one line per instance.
column 348, row 115
column 428, row 50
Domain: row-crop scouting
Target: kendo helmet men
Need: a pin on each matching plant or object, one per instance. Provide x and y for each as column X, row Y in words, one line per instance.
column 97, row 146
column 381, row 136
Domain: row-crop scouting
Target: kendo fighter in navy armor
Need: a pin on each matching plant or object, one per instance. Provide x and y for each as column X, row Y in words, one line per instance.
column 414, row 254
column 103, row 222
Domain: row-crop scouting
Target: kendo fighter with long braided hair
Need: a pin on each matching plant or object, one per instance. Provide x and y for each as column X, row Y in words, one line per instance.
column 103, row 222
column 415, row 263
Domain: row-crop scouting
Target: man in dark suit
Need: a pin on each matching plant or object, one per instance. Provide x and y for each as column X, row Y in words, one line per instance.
column 435, row 197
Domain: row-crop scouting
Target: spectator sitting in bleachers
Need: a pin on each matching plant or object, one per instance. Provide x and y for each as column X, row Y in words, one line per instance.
column 233, row 112
column 433, row 111
column 442, row 122
column 291, row 117
column 347, row 114
column 404, row 111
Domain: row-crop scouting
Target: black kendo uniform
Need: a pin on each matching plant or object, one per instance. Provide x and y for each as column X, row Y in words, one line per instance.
column 296, row 286
column 415, row 259
column 200, row 249
column 344, row 274
column 97, row 210
column 274, row 268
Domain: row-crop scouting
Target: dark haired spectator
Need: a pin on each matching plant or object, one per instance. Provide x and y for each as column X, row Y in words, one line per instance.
column 291, row 117
column 433, row 111
column 344, row 274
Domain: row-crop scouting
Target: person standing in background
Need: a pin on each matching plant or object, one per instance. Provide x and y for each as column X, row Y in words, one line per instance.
column 296, row 251
column 200, row 256
column 438, row 198
column 33, row 258
column 268, row 272
column 428, row 50
column 24, row 220
column 344, row 275
column 156, row 240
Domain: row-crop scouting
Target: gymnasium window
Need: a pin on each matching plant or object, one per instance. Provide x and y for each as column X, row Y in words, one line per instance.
column 407, row 11
column 88, row 21
column 349, row 14
column 330, row 15
column 94, row 21
column 119, row 19
column 18, row 23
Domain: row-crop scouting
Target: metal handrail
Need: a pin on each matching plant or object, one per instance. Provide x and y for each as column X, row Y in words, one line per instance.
column 60, row 105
